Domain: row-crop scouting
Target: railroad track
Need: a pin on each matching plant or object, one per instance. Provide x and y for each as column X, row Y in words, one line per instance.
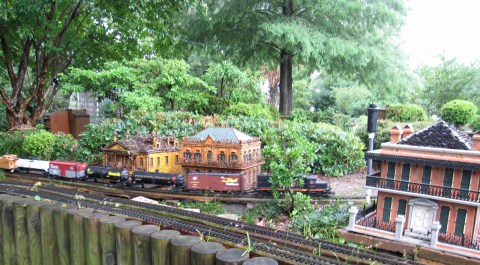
column 163, row 194
column 266, row 240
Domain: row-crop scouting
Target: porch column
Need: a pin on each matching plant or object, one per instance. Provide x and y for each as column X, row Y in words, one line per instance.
column 399, row 223
column 353, row 214
column 435, row 230
column 368, row 194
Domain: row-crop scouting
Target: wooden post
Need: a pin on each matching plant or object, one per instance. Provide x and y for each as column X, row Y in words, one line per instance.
column 161, row 246
column 107, row 239
column 62, row 231
column 261, row 261
column 123, row 241
column 77, row 238
column 34, row 231
column 204, row 253
column 3, row 198
column 142, row 247
column 47, row 231
column 21, row 234
column 91, row 229
column 8, row 230
column 180, row 249
column 232, row 256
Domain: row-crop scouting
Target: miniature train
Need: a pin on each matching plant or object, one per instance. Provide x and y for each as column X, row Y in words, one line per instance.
column 194, row 181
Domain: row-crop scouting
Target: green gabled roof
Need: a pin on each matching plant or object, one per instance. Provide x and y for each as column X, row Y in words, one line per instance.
column 222, row 134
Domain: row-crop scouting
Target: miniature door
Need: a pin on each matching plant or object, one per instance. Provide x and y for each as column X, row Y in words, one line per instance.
column 422, row 217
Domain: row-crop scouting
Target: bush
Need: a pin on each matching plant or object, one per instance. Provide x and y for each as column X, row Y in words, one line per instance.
column 39, row 145
column 253, row 110
column 353, row 100
column 458, row 112
column 406, row 113
column 475, row 124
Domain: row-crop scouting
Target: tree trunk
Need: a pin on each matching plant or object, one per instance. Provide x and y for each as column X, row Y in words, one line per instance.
column 285, row 83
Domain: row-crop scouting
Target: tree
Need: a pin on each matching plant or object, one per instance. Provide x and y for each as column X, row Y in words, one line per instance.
column 40, row 39
column 448, row 81
column 348, row 37
column 289, row 156
column 459, row 112
column 141, row 84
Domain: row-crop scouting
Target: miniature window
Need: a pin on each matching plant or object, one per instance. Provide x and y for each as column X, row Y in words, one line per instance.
column 141, row 163
column 460, row 222
column 209, row 156
column 387, row 208
column 151, row 161
column 402, row 207
column 406, row 172
column 187, row 155
column 222, row 156
column 233, row 156
column 197, row 156
column 466, row 177
column 176, row 159
column 158, row 161
column 166, row 160
column 444, row 213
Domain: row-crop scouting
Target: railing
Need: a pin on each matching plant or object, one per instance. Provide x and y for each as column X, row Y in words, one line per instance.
column 372, row 222
column 427, row 189
column 463, row 241
column 366, row 211
column 220, row 164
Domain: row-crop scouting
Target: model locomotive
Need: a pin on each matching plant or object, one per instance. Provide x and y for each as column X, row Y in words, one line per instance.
column 194, row 181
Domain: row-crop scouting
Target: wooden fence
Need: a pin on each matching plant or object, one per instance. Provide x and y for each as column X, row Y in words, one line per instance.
column 43, row 233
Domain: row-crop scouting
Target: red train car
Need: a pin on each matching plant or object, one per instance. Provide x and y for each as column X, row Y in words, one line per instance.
column 67, row 169
column 218, row 182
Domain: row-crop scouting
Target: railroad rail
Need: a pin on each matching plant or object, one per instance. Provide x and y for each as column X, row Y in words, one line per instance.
column 224, row 229
column 163, row 194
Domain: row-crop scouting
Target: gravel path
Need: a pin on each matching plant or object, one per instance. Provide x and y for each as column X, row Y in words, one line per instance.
column 349, row 185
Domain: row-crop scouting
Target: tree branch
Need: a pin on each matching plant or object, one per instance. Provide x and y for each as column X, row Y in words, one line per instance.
column 66, row 24
column 7, row 58
column 22, row 70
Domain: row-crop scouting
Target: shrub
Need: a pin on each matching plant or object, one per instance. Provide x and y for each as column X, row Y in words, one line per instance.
column 458, row 112
column 39, row 145
column 406, row 113
column 64, row 147
column 353, row 100
column 252, row 110
column 475, row 124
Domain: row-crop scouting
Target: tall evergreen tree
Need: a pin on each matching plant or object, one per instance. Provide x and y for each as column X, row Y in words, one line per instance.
column 349, row 37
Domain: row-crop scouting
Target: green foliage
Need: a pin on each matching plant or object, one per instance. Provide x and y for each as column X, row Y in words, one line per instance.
column 302, row 95
column 205, row 207
column 253, row 110
column 406, row 113
column 459, row 112
column 267, row 210
column 322, row 223
column 352, row 100
column 448, row 81
column 11, row 143
column 206, row 104
column 39, row 145
column 64, row 147
column 475, row 124
column 303, row 204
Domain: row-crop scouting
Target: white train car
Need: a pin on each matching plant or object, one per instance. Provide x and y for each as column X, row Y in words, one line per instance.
column 30, row 165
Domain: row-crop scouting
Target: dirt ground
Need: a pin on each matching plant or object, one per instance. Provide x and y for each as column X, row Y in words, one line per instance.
column 349, row 185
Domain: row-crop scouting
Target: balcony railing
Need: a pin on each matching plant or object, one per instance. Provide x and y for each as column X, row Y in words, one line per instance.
column 371, row 221
column 463, row 241
column 220, row 164
column 427, row 189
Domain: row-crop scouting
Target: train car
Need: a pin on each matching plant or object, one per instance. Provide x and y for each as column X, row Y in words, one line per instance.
column 8, row 162
column 106, row 173
column 33, row 165
column 218, row 182
column 310, row 184
column 157, row 178
column 67, row 169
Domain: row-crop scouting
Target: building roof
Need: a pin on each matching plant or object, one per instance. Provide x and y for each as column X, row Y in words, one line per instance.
column 144, row 144
column 222, row 134
column 439, row 135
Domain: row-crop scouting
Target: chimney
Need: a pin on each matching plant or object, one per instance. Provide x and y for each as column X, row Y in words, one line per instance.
column 127, row 133
column 476, row 141
column 407, row 131
column 115, row 136
column 395, row 134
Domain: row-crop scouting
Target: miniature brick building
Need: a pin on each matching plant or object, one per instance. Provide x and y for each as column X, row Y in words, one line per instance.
column 69, row 122
column 427, row 177
column 222, row 150
column 148, row 152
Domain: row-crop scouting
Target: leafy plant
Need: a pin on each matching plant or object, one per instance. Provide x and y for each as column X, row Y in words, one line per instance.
column 406, row 113
column 252, row 110
column 39, row 144
column 475, row 124
column 205, row 207
column 458, row 112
